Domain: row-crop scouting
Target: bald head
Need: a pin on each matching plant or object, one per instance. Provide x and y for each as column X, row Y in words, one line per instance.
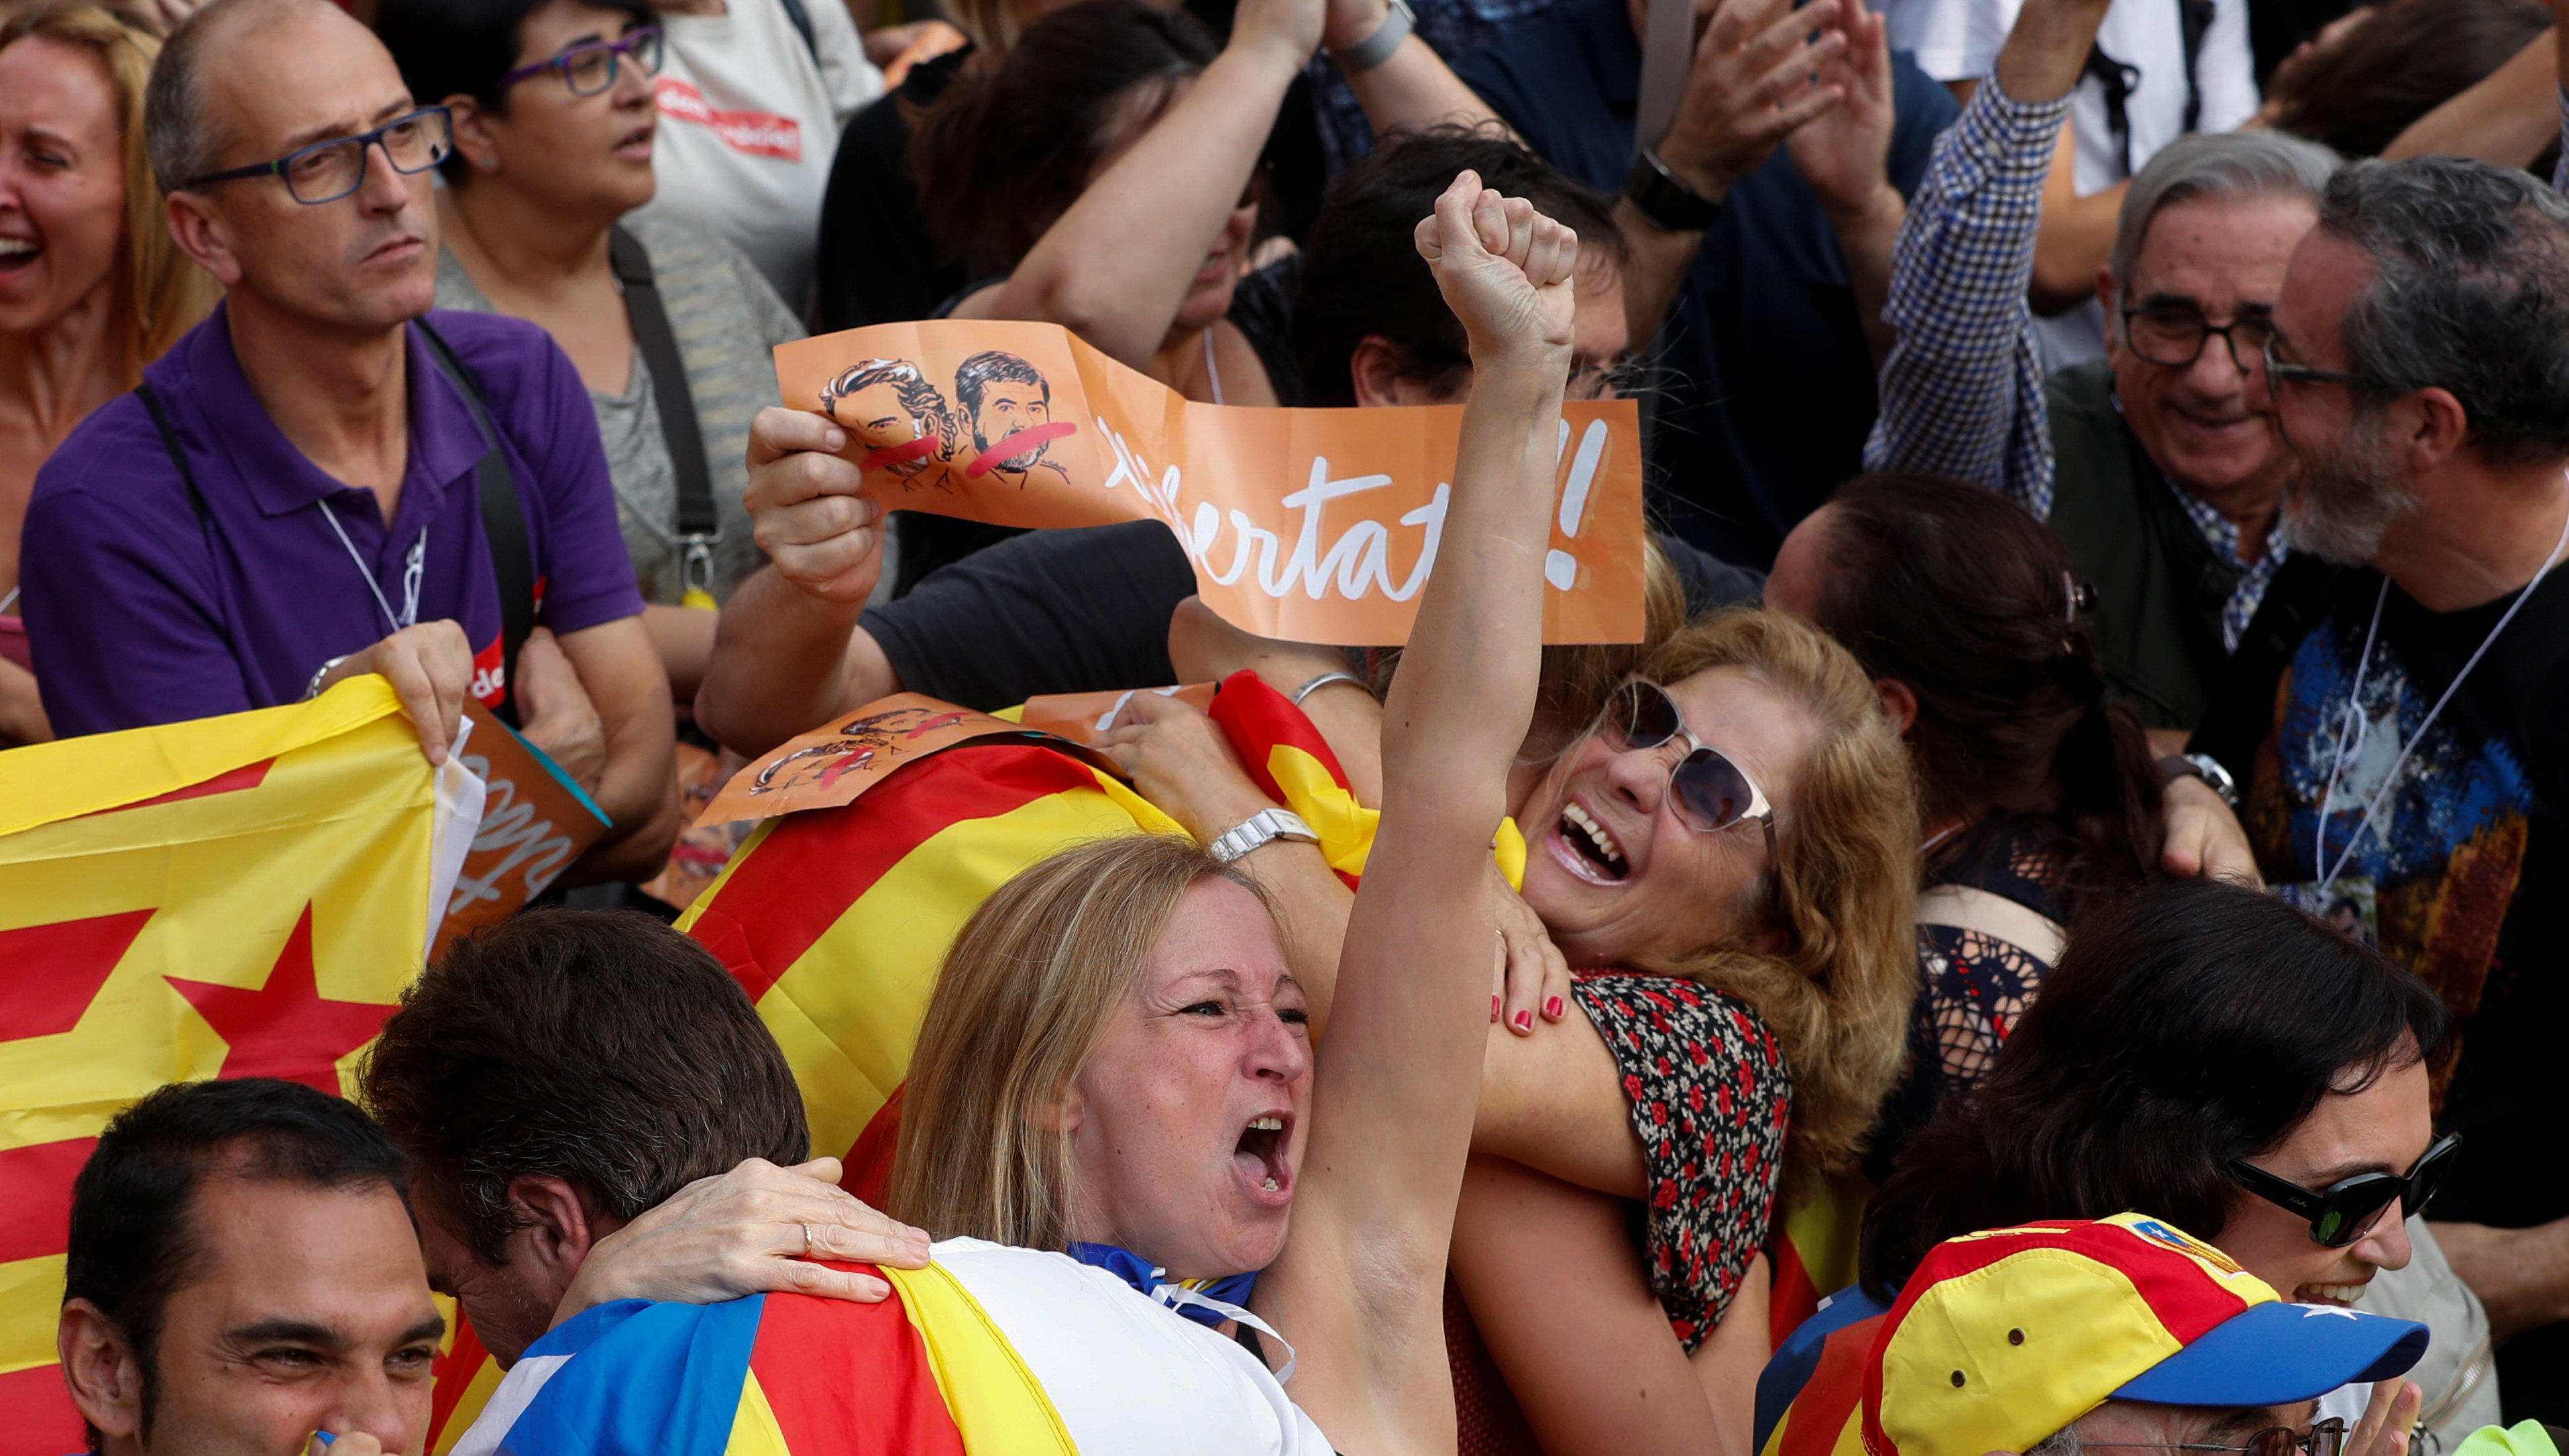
column 188, row 120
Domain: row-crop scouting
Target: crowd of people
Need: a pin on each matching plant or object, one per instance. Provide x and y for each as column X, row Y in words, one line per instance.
column 2089, row 810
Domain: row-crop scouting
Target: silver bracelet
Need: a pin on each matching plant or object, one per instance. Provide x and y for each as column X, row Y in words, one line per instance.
column 312, row 689
column 1323, row 680
column 1378, row 48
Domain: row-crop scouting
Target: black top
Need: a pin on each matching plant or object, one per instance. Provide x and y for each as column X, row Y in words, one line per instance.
column 1975, row 983
column 1087, row 610
column 2464, row 876
column 876, row 265
column 1766, row 387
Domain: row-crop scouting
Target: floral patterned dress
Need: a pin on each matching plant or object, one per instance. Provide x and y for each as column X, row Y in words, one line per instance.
column 1710, row 1099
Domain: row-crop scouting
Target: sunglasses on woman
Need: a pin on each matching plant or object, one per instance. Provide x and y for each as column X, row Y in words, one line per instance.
column 2327, row 1438
column 2346, row 1209
column 1707, row 790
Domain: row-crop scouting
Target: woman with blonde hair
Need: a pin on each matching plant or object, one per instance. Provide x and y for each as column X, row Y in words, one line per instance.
column 1725, row 842
column 91, row 286
column 1117, row 1063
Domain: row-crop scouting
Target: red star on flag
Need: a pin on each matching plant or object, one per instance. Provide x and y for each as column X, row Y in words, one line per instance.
column 286, row 1028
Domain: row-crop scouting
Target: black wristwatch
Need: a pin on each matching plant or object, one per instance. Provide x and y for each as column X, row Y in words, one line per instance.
column 1665, row 200
column 2205, row 767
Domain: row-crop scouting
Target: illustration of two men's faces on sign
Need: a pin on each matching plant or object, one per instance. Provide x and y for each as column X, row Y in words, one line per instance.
column 906, row 426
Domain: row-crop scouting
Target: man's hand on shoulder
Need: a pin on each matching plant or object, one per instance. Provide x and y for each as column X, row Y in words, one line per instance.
column 430, row 667
column 803, row 499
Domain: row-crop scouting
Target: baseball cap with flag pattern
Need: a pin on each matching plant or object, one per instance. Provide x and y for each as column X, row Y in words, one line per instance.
column 2002, row 1337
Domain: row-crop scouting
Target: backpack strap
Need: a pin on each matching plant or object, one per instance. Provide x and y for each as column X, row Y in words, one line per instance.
column 796, row 12
column 178, row 457
column 698, row 528
column 504, row 524
column 186, row 476
column 2118, row 80
column 2194, row 18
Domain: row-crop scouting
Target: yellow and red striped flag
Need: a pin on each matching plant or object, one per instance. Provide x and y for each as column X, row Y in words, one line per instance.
column 244, row 896
column 835, row 920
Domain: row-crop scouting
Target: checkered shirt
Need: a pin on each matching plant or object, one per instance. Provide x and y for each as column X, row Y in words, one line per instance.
column 1962, row 393
column 2254, row 576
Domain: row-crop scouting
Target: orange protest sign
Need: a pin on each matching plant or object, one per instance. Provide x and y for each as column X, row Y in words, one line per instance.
column 535, row 822
column 833, row 764
column 1314, row 525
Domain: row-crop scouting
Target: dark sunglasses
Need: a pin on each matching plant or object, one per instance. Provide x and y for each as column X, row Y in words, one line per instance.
column 1707, row 790
column 2346, row 1209
column 2327, row 1438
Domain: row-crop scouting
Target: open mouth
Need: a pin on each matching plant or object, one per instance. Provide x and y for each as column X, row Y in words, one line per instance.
column 1592, row 843
column 2340, row 1294
column 18, row 252
column 637, row 140
column 1260, row 1154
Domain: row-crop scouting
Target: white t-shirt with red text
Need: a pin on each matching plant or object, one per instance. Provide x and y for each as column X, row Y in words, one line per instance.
column 749, row 121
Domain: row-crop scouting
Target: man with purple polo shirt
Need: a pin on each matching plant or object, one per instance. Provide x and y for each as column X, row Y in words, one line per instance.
column 294, row 496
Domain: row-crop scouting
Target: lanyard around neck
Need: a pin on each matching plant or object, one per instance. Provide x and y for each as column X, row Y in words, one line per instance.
column 2352, row 722
column 413, row 565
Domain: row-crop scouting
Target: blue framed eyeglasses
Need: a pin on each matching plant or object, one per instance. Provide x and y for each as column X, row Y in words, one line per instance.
column 325, row 172
column 589, row 67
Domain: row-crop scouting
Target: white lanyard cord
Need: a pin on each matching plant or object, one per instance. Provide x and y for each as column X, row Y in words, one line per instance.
column 1177, row 1295
column 413, row 565
column 2351, row 719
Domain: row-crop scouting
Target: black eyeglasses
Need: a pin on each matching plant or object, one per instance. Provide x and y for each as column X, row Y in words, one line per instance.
column 589, row 67
column 2346, row 1209
column 2327, row 1438
column 325, row 172
column 1707, row 790
column 2278, row 372
column 2174, row 336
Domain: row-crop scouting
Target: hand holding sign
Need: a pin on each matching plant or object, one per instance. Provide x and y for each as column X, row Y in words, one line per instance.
column 1316, row 526
column 810, row 514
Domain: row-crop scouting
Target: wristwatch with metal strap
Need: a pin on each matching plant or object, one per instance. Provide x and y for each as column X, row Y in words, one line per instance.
column 1262, row 827
column 2205, row 767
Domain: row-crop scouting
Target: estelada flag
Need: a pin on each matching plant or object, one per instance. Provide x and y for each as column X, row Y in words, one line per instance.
column 987, row 1351
column 244, row 896
column 835, row 920
column 924, row 1374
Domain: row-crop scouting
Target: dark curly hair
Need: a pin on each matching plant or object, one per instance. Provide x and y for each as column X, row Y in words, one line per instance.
column 2189, row 1024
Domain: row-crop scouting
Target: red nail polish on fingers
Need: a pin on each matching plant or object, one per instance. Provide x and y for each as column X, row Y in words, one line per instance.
column 1551, row 1008
column 1493, row 1008
column 1525, row 1022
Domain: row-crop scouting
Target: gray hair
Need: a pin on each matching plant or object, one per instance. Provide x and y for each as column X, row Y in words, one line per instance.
column 175, row 133
column 2063, row 1442
column 2470, row 293
column 183, row 144
column 2233, row 167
